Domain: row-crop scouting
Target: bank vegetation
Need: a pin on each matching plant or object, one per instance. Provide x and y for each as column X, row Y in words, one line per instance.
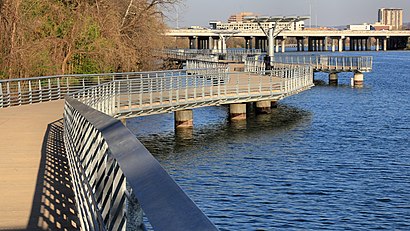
column 49, row 37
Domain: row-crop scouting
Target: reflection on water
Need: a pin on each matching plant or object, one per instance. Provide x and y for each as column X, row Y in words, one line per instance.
column 158, row 135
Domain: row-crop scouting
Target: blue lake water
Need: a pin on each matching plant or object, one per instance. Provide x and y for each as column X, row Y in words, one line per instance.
column 333, row 157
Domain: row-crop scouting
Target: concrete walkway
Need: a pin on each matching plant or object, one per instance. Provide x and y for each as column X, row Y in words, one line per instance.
column 35, row 190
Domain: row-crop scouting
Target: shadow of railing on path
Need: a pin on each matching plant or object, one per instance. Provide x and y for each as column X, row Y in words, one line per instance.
column 53, row 203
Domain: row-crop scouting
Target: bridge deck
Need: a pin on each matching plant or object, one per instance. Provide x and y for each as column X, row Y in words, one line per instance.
column 34, row 177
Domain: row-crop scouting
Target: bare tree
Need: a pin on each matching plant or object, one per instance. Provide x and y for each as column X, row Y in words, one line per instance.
column 45, row 37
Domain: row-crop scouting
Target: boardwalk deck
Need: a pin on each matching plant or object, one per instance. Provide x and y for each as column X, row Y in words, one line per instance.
column 33, row 176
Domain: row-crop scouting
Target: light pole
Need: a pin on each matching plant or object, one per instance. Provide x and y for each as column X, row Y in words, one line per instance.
column 272, row 34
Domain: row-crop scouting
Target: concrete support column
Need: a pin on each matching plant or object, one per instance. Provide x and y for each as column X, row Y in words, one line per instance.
column 263, row 107
column 344, row 41
column 297, row 44
column 223, row 44
column 215, row 43
column 340, row 45
column 192, row 42
column 283, row 45
column 237, row 111
column 363, row 43
column 210, row 43
column 333, row 78
column 377, row 44
column 276, row 45
column 385, row 44
column 184, row 119
column 333, row 45
column 368, row 44
column 358, row 79
column 325, row 42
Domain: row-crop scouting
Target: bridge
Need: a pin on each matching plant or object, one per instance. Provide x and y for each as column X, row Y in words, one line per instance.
column 333, row 40
column 254, row 61
column 92, row 173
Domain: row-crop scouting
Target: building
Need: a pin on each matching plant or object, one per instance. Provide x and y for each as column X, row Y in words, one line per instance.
column 247, row 25
column 359, row 27
column 379, row 26
column 392, row 17
column 240, row 17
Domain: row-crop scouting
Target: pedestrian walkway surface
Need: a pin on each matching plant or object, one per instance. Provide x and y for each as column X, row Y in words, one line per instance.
column 35, row 182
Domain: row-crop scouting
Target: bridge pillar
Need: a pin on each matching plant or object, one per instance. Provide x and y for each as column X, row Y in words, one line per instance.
column 377, row 44
column 283, row 44
column 184, row 119
column 192, row 42
column 333, row 45
column 325, row 42
column 263, row 107
column 248, row 43
column 341, row 44
column 237, row 111
column 210, row 43
column 358, row 79
column 333, row 78
column 368, row 44
column 385, row 44
column 276, row 45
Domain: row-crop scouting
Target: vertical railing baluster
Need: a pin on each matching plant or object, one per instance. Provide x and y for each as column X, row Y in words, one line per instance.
column 58, row 88
column 19, row 92
column 40, row 91
column 49, row 89
column 1, row 96
column 30, row 93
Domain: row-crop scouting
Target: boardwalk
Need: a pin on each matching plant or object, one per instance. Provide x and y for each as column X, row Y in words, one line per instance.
column 33, row 174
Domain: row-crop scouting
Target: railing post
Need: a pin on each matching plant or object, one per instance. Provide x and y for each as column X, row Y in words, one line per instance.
column 58, row 88
column 19, row 91
column 30, row 93
column 49, row 90
column 40, row 90
column 1, row 95
column 67, row 86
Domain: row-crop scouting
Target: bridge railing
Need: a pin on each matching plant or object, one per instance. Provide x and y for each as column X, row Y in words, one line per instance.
column 115, row 177
column 136, row 97
column 329, row 63
column 230, row 54
column 15, row 92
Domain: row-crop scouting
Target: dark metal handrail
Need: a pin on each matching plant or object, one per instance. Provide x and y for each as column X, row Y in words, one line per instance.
column 105, row 154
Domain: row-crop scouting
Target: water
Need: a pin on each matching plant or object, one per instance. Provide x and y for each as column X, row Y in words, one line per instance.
column 332, row 158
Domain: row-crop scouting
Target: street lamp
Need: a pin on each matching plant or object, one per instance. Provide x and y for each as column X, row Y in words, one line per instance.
column 271, row 33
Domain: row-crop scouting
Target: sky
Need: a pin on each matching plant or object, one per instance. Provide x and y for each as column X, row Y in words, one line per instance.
column 324, row 12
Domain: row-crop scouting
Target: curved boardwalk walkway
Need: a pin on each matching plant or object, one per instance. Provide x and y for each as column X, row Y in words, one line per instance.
column 35, row 192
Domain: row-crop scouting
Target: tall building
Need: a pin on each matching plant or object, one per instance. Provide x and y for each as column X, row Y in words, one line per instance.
column 239, row 17
column 392, row 17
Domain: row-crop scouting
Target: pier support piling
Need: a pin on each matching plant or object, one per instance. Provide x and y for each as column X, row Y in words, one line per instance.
column 184, row 119
column 358, row 79
column 237, row 111
column 263, row 107
column 333, row 78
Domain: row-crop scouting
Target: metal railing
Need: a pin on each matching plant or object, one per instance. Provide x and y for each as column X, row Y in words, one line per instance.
column 165, row 94
column 230, row 54
column 329, row 63
column 318, row 62
column 15, row 92
column 115, row 176
column 109, row 164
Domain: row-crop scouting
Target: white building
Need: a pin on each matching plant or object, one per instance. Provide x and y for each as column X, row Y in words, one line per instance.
column 359, row 27
column 253, row 26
